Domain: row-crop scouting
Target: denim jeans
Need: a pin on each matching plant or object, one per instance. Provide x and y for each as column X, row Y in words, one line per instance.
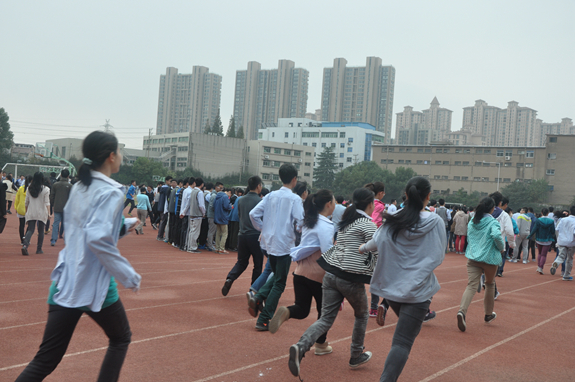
column 335, row 289
column 264, row 276
column 274, row 287
column 59, row 329
column 410, row 319
column 30, row 231
column 503, row 259
column 58, row 227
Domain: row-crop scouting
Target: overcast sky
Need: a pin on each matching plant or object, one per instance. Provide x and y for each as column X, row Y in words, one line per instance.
column 66, row 66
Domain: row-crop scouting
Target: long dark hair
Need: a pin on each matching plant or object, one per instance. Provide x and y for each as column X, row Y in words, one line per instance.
column 97, row 147
column 313, row 205
column 27, row 182
column 376, row 187
column 362, row 197
column 37, row 184
column 417, row 190
column 484, row 207
column 300, row 188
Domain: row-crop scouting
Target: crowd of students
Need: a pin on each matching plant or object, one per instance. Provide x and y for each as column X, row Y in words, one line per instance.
column 339, row 247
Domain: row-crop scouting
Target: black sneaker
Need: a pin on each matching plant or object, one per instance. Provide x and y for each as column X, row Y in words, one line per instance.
column 24, row 250
column 295, row 356
column 489, row 318
column 262, row 326
column 254, row 305
column 429, row 316
column 553, row 268
column 381, row 313
column 461, row 321
column 358, row 361
column 227, row 286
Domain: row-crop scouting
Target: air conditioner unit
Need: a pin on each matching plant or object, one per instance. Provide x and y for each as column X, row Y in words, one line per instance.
column 507, row 158
column 349, row 143
column 300, row 160
column 266, row 157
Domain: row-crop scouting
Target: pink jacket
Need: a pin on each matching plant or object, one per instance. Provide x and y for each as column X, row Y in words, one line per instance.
column 377, row 214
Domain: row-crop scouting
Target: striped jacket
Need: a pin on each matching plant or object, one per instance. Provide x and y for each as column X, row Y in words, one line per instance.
column 344, row 259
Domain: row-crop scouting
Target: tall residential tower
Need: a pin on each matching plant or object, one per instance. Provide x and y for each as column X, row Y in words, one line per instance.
column 359, row 94
column 187, row 102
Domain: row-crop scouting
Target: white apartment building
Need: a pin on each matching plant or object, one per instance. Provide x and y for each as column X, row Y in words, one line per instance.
column 351, row 141
column 423, row 127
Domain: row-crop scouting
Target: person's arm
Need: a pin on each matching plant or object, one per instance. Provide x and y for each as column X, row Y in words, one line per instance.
column 226, row 204
column 257, row 214
column 47, row 201
column 27, row 200
column 534, row 231
column 297, row 215
column 102, row 244
column 202, row 203
column 52, row 195
column 496, row 235
column 508, row 231
column 185, row 207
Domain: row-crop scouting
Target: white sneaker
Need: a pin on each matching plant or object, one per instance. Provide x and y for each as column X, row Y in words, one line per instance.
column 524, row 261
column 539, row 270
column 496, row 295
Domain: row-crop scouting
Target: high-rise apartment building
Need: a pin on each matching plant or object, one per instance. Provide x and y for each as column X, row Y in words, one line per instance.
column 263, row 96
column 565, row 127
column 423, row 127
column 359, row 94
column 513, row 126
column 187, row 102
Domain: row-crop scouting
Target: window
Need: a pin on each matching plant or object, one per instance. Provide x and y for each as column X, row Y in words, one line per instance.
column 520, row 164
column 349, row 159
column 456, row 178
column 265, row 176
column 277, row 151
column 507, row 164
column 419, row 162
column 465, row 163
column 342, row 135
column 266, row 162
column 436, row 177
column 419, row 150
column 477, row 163
column 305, row 143
column 401, row 161
column 520, row 152
column 341, row 165
column 310, row 135
column 486, row 164
column 273, row 135
column 401, row 149
column 552, row 139
column 287, row 152
column 275, row 177
column 485, row 179
column 297, row 153
column 551, row 156
column 444, row 177
column 528, row 164
column 350, row 140
column 500, row 153
column 341, row 155
column 390, row 161
column 458, row 151
column 487, row 151
column 306, row 174
column 308, row 164
column 506, row 180
column 445, row 162
column 437, row 162
column 314, row 144
column 286, row 135
column 550, row 172
column 295, row 135
column 174, row 139
column 328, row 135
column 508, row 153
column 296, row 165
column 457, row 163
column 467, row 151
column 476, row 179
column 342, row 145
column 391, row 149
column 445, row 150
column 323, row 144
column 267, row 149
column 438, row 150
column 183, row 148
column 479, row 151
column 183, row 139
column 529, row 154
column 333, row 145
column 308, row 154
column 550, row 188
column 350, row 149
column 277, row 164
column 464, row 178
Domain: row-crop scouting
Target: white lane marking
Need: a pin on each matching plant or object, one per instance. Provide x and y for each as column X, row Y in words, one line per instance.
column 473, row 356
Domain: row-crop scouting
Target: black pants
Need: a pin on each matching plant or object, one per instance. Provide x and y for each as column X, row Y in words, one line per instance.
column 30, row 232
column 233, row 231
column 184, row 232
column 204, row 228
column 163, row 222
column 532, row 249
column 248, row 245
column 59, row 329
column 172, row 230
column 306, row 289
column 131, row 203
column 21, row 229
column 177, row 237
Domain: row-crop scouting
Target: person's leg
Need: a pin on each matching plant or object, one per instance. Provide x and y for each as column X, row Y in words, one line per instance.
column 203, row 239
column 568, row 262
column 281, row 273
column 178, row 231
column 474, row 273
column 355, row 294
column 21, row 229
column 126, row 202
column 457, row 243
column 243, row 259
column 489, row 295
column 374, row 303
column 132, row 205
column 262, row 279
column 316, row 290
column 532, row 249
column 61, row 233
column 257, row 255
column 410, row 319
column 31, row 227
column 184, row 233
column 303, row 295
column 332, row 299
column 525, row 248
column 56, row 227
column 211, row 233
column 224, row 237
column 144, row 215
column 41, row 232
column 163, row 221
column 46, row 227
column 195, row 225
column 57, row 334
column 114, row 322
column 518, row 247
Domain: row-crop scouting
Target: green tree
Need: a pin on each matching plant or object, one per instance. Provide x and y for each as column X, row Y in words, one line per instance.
column 207, row 128
column 324, row 173
column 231, row 128
column 6, row 137
column 240, row 133
column 460, row 196
column 352, row 177
column 143, row 169
column 218, row 127
column 524, row 194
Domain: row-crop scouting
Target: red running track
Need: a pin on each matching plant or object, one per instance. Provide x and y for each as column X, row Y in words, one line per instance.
column 184, row 330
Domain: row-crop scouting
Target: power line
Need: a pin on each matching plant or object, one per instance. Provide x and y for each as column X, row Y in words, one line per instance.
column 91, row 127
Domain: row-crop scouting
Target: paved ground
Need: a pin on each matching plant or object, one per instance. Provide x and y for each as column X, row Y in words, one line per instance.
column 184, row 330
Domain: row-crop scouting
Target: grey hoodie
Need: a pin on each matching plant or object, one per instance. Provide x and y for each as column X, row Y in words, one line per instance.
column 404, row 270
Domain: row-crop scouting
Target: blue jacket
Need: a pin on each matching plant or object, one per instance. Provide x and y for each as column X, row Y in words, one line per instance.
column 164, row 193
column 234, row 217
column 485, row 241
column 533, row 220
column 543, row 230
column 222, row 208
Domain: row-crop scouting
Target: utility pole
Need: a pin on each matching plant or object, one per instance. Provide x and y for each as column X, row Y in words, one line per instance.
column 107, row 127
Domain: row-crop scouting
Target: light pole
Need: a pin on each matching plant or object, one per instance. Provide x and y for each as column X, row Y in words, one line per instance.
column 498, row 171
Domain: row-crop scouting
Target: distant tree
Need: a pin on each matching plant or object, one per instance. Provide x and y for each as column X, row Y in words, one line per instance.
column 231, row 128
column 324, row 173
column 523, row 194
column 207, row 128
column 218, row 127
column 460, row 196
column 240, row 133
column 6, row 136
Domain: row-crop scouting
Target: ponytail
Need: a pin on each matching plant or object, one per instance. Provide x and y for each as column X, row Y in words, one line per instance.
column 313, row 205
column 97, row 147
column 362, row 197
column 37, row 184
column 484, row 207
column 417, row 190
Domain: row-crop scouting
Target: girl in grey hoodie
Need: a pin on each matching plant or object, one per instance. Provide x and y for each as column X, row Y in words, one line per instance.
column 410, row 245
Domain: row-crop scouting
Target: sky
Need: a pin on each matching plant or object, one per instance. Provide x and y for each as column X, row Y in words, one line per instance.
column 67, row 66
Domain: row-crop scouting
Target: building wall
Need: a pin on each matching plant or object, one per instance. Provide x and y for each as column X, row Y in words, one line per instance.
column 265, row 159
column 454, row 167
column 359, row 94
column 351, row 141
column 217, row 156
column 187, row 101
column 170, row 149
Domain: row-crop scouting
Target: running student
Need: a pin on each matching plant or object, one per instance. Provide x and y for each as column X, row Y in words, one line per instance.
column 84, row 280
column 37, row 212
column 565, row 244
column 411, row 245
column 483, row 257
column 317, row 238
column 274, row 216
column 347, row 272
column 544, row 234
